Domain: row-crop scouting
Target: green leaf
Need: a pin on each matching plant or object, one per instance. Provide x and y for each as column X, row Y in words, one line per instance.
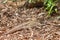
column 50, row 4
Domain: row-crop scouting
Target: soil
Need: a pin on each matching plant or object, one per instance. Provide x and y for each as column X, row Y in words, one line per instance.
column 20, row 23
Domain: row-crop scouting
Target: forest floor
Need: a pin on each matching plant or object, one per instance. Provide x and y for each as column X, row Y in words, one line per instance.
column 27, row 23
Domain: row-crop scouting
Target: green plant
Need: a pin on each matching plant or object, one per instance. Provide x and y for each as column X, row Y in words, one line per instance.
column 50, row 6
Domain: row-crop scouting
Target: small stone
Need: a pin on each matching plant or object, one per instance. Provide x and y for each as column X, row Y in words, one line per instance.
column 5, row 39
column 16, row 14
column 57, row 33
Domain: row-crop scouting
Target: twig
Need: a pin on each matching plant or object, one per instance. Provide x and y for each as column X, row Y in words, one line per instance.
column 23, row 25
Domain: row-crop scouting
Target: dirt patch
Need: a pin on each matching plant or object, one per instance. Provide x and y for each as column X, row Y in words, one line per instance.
column 27, row 24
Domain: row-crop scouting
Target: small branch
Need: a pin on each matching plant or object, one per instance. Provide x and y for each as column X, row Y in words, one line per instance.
column 23, row 25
